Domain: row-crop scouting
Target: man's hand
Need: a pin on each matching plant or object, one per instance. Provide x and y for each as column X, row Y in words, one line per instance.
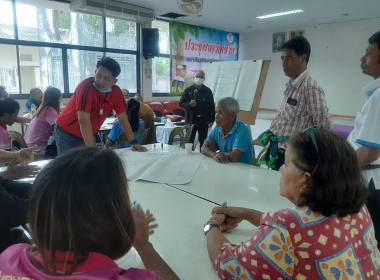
column 221, row 158
column 138, row 148
column 16, row 172
column 26, row 155
column 193, row 103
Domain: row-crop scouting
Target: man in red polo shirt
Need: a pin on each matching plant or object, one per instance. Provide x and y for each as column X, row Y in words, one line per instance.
column 88, row 108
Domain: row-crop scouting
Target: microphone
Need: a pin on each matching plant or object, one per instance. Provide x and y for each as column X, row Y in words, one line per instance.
column 195, row 92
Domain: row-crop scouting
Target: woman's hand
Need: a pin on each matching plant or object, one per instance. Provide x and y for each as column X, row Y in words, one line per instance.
column 233, row 215
column 143, row 226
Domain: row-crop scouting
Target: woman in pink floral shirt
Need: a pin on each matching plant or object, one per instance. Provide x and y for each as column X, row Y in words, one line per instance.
column 328, row 235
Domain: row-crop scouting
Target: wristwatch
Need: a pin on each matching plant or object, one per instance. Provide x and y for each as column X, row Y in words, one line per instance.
column 133, row 142
column 209, row 225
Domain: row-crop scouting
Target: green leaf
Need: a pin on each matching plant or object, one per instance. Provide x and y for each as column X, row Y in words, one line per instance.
column 196, row 33
column 182, row 32
column 191, row 30
column 176, row 38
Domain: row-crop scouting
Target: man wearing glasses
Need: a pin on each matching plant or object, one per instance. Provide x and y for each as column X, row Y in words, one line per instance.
column 365, row 138
column 303, row 104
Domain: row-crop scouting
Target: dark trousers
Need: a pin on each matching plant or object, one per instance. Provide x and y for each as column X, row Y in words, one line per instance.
column 373, row 206
column 280, row 161
column 202, row 133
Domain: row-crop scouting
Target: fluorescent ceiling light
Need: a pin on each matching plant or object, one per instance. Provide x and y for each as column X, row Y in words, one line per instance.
column 280, row 14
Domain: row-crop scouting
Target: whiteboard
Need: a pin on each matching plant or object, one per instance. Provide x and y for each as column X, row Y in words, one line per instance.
column 237, row 79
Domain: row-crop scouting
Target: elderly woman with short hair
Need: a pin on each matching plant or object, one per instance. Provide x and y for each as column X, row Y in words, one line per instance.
column 328, row 235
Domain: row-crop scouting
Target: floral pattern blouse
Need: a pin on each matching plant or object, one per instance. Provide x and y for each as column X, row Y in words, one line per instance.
column 301, row 244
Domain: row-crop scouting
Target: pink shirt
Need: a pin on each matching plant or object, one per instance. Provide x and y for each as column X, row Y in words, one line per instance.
column 40, row 128
column 5, row 143
column 15, row 264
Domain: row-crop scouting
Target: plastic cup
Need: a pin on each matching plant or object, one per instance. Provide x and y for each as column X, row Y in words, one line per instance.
column 189, row 148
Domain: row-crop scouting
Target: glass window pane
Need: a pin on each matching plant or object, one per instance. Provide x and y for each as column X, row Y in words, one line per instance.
column 127, row 78
column 163, row 30
column 40, row 67
column 161, row 75
column 8, row 68
column 49, row 25
column 6, row 20
column 121, row 34
column 82, row 65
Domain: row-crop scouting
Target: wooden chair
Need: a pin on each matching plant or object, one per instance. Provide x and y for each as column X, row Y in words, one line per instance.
column 123, row 138
column 262, row 152
column 183, row 136
column 17, row 137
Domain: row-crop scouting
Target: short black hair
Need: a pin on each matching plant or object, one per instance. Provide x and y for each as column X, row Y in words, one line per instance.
column 300, row 45
column 375, row 38
column 9, row 106
column 111, row 65
column 336, row 186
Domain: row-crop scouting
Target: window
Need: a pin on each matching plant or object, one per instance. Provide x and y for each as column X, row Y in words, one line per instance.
column 161, row 75
column 163, row 30
column 8, row 68
column 40, row 67
column 128, row 75
column 121, row 34
column 6, row 20
column 60, row 48
column 82, row 65
column 49, row 25
column 161, row 64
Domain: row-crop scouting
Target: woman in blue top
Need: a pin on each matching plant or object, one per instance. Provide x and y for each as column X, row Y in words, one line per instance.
column 136, row 124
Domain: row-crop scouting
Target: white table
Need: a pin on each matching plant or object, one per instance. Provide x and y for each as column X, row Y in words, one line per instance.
column 181, row 210
column 179, row 239
column 163, row 133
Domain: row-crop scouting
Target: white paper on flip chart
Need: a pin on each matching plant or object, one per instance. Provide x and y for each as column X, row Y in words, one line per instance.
column 237, row 79
column 164, row 168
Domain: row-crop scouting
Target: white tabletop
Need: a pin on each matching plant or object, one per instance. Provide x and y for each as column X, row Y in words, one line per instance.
column 179, row 239
column 237, row 183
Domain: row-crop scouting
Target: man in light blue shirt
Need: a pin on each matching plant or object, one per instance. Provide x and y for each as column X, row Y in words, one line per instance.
column 230, row 140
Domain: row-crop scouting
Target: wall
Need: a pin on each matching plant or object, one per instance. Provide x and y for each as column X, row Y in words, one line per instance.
column 336, row 50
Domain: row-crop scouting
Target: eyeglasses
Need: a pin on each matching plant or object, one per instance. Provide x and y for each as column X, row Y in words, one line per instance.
column 310, row 130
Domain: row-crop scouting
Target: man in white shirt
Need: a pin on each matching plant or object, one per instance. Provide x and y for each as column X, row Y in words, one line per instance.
column 365, row 138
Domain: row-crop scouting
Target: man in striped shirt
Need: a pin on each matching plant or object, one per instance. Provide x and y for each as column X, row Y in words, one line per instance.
column 303, row 104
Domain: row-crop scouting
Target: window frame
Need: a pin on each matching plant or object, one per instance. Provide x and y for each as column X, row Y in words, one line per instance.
column 64, row 47
column 164, row 94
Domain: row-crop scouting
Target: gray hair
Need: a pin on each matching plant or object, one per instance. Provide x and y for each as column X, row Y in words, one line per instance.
column 33, row 89
column 231, row 104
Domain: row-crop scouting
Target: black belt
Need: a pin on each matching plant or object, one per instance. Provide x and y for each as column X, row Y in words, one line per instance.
column 371, row 166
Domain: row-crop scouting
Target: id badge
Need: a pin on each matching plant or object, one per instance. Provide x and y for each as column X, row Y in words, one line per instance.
column 101, row 111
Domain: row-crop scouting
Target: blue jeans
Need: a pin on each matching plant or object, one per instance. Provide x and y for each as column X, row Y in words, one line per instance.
column 66, row 141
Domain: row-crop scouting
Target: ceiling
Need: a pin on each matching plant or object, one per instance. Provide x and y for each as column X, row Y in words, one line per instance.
column 237, row 15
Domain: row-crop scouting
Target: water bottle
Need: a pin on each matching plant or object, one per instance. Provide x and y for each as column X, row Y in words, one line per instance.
column 33, row 109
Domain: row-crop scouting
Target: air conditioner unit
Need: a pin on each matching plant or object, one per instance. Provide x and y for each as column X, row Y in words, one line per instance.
column 113, row 9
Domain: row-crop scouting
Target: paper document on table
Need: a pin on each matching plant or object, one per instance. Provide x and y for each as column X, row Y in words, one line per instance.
column 165, row 168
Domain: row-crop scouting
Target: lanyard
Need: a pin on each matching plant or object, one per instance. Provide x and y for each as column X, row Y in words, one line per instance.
column 101, row 106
